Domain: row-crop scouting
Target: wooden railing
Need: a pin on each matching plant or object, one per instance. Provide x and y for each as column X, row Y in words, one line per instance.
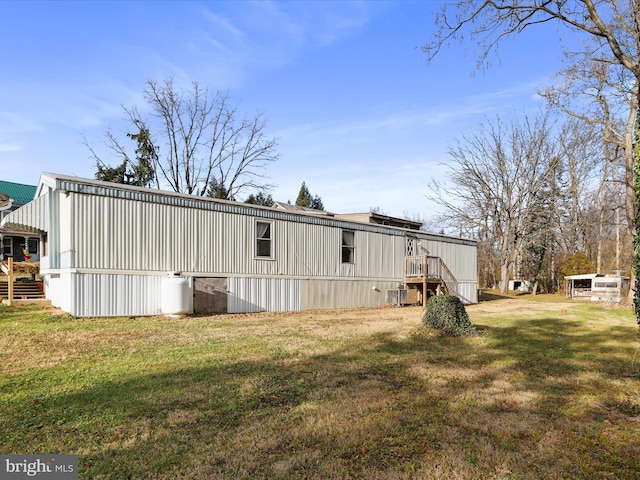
column 425, row 267
column 17, row 287
column 415, row 266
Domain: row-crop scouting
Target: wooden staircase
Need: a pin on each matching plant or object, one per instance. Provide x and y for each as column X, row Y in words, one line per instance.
column 22, row 290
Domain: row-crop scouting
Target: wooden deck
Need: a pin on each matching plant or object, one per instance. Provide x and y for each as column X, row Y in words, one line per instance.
column 428, row 276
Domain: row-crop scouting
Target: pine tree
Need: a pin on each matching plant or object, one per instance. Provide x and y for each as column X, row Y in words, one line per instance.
column 305, row 199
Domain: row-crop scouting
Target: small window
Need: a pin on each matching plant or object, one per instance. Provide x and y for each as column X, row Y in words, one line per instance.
column 33, row 245
column 263, row 240
column 348, row 246
column 7, row 246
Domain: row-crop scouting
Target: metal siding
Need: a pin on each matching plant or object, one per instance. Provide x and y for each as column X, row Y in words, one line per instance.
column 33, row 216
column 460, row 259
column 103, row 295
column 468, row 292
column 126, row 235
column 147, row 195
column 132, row 229
column 66, row 228
column 327, row 294
column 263, row 294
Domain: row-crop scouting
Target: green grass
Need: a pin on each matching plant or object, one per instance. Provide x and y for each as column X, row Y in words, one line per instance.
column 548, row 390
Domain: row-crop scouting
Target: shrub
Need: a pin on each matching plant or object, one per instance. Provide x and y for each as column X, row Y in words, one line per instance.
column 448, row 315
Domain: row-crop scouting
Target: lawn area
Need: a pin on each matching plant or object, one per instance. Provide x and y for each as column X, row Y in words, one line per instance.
column 548, row 391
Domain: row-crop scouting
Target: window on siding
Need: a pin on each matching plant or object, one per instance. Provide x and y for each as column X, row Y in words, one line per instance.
column 348, row 246
column 264, row 240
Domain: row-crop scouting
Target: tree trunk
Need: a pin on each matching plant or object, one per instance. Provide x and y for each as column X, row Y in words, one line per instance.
column 504, row 278
column 634, row 290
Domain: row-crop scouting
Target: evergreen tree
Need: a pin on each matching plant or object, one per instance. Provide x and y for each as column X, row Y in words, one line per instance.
column 260, row 199
column 139, row 171
column 143, row 170
column 577, row 264
column 218, row 190
column 305, row 199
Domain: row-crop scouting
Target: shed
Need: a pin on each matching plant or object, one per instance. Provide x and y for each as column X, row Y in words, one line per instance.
column 106, row 249
column 597, row 287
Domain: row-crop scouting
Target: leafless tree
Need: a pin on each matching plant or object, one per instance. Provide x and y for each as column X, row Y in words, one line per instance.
column 613, row 27
column 204, row 147
column 580, row 151
column 497, row 178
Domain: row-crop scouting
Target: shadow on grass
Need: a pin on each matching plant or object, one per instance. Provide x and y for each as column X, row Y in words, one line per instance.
column 490, row 296
column 512, row 400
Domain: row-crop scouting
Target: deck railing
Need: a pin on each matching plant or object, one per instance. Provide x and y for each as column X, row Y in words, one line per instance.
column 415, row 266
column 424, row 266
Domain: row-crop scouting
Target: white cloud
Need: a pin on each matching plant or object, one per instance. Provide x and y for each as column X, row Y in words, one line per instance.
column 4, row 148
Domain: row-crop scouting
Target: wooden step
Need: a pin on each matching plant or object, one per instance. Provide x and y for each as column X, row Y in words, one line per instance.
column 22, row 290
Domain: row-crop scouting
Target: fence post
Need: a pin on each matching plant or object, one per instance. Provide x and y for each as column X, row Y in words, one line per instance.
column 11, row 275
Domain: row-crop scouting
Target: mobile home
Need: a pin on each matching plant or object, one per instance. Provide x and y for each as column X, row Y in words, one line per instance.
column 109, row 249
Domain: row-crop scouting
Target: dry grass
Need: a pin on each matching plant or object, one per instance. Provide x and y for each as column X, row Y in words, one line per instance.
column 548, row 391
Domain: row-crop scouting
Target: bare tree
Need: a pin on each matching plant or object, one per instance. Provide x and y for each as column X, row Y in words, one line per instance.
column 497, row 177
column 203, row 147
column 612, row 25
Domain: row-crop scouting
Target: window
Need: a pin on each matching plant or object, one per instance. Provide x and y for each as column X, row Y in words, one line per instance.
column 7, row 246
column 411, row 246
column 263, row 240
column 348, row 246
column 33, row 245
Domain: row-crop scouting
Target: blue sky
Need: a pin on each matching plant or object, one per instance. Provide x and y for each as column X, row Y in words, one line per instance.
column 359, row 114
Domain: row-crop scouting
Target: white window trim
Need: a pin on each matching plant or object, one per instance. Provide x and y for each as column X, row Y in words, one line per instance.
column 351, row 247
column 271, row 240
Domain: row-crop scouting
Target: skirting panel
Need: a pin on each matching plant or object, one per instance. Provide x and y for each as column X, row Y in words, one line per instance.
column 351, row 293
column 468, row 292
column 263, row 295
column 103, row 295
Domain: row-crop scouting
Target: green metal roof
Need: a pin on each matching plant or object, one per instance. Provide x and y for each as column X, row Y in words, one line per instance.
column 20, row 193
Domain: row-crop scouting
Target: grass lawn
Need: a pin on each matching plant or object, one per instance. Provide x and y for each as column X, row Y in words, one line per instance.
column 548, row 391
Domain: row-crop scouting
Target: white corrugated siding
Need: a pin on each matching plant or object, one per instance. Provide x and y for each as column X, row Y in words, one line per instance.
column 263, row 295
column 118, row 234
column 468, row 292
column 108, row 237
column 459, row 258
column 33, row 216
column 115, row 295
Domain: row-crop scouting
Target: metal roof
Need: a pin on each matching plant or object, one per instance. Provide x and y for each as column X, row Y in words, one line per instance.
column 586, row 276
column 18, row 192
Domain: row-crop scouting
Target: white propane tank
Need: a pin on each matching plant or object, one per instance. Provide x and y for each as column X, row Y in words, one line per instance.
column 175, row 295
